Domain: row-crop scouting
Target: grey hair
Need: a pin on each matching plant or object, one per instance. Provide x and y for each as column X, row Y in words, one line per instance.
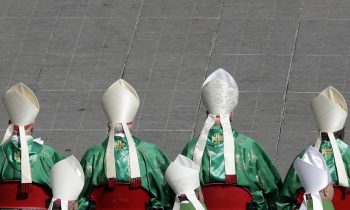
column 118, row 128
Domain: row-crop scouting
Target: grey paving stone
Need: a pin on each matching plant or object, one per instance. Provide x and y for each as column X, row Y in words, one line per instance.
column 48, row 101
column 47, row 8
column 64, row 38
column 13, row 28
column 53, row 72
column 20, row 8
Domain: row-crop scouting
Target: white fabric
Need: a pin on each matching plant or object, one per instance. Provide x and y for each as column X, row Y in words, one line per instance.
column 26, row 175
column 342, row 176
column 8, row 134
column 183, row 177
column 109, row 158
column 21, row 104
column 229, row 148
column 120, row 103
column 67, row 179
column 313, row 174
column 330, row 110
column 219, row 93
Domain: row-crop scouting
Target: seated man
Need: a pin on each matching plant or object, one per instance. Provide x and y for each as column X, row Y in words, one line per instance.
column 314, row 175
column 23, row 158
column 330, row 111
column 183, row 177
column 67, row 179
column 227, row 156
column 122, row 157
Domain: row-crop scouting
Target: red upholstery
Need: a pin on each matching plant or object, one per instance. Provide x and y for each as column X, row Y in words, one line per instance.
column 226, row 197
column 120, row 197
column 35, row 199
column 341, row 199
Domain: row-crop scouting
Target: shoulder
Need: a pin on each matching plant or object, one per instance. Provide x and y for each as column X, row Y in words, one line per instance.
column 245, row 141
column 144, row 145
column 46, row 150
column 96, row 149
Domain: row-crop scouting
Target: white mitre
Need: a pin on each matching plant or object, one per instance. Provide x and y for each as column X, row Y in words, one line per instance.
column 67, row 180
column 330, row 111
column 220, row 97
column 313, row 174
column 22, row 107
column 120, row 103
column 183, row 177
column 220, row 92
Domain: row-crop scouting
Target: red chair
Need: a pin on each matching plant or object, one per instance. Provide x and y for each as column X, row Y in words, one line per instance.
column 119, row 197
column 36, row 198
column 341, row 198
column 227, row 197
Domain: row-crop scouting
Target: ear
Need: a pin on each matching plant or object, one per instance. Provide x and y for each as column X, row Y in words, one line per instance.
column 325, row 192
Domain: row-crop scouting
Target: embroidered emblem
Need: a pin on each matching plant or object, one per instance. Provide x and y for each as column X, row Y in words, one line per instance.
column 119, row 145
column 327, row 152
column 217, row 138
column 18, row 156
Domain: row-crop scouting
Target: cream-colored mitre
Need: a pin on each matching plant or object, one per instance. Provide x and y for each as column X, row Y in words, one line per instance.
column 330, row 110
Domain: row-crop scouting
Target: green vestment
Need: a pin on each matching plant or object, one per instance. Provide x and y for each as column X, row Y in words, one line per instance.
column 254, row 168
column 326, row 204
column 41, row 158
column 152, row 162
column 188, row 206
column 292, row 185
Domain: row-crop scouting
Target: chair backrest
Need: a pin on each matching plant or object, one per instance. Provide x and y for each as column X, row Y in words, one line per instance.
column 341, row 198
column 226, row 197
column 120, row 197
column 36, row 198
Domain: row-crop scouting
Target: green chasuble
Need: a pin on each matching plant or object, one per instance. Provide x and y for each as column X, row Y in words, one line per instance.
column 326, row 204
column 152, row 162
column 188, row 206
column 292, row 184
column 254, row 168
column 41, row 158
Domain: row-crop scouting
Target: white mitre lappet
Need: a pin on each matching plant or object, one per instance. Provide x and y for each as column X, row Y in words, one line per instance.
column 330, row 111
column 220, row 96
column 22, row 107
column 314, row 175
column 67, row 180
column 183, row 177
column 120, row 103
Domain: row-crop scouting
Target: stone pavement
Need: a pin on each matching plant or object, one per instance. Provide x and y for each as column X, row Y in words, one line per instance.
column 281, row 52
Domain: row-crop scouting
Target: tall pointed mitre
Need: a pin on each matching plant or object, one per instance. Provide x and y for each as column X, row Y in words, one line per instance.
column 313, row 174
column 183, row 177
column 330, row 111
column 67, row 181
column 22, row 107
column 120, row 103
column 220, row 97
